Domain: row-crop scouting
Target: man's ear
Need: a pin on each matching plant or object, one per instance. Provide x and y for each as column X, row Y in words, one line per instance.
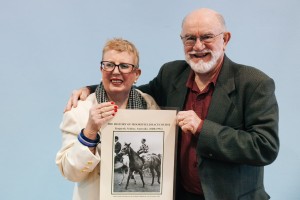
column 226, row 38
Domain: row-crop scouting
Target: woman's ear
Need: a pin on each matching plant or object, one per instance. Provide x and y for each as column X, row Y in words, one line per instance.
column 138, row 72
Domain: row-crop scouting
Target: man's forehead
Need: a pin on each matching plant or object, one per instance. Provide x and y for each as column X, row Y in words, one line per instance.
column 198, row 26
column 198, row 30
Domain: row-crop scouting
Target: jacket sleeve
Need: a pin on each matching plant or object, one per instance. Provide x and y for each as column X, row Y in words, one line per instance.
column 92, row 88
column 74, row 160
column 250, row 133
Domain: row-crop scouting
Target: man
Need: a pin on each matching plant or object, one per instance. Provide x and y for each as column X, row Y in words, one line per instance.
column 118, row 157
column 118, row 145
column 228, row 119
column 143, row 148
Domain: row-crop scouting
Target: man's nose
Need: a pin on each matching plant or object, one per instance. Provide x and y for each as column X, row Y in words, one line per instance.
column 199, row 45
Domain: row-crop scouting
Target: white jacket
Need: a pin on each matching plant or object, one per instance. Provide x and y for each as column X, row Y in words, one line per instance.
column 75, row 161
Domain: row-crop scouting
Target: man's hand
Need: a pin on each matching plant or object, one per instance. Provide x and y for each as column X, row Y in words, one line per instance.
column 81, row 94
column 188, row 121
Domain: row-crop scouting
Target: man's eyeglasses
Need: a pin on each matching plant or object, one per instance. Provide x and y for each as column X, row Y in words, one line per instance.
column 190, row 40
column 124, row 68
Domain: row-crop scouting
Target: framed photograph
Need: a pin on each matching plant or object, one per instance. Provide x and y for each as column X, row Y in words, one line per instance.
column 138, row 155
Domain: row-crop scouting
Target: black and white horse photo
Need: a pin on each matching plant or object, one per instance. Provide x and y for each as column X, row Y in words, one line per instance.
column 137, row 164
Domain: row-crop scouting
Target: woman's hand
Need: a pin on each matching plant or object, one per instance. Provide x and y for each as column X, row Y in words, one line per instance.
column 99, row 114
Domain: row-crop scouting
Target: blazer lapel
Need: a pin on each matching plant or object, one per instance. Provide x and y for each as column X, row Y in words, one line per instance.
column 221, row 102
column 179, row 90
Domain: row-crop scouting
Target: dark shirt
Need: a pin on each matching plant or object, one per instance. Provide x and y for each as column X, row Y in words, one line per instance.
column 118, row 147
column 199, row 102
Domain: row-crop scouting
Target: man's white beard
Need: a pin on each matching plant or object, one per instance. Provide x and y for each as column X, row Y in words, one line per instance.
column 202, row 67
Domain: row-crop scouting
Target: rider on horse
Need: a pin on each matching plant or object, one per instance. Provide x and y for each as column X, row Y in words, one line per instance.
column 143, row 149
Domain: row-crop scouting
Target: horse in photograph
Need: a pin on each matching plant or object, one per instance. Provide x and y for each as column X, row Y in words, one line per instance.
column 138, row 164
column 122, row 165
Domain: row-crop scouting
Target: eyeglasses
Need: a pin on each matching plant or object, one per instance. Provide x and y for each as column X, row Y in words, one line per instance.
column 190, row 40
column 124, row 68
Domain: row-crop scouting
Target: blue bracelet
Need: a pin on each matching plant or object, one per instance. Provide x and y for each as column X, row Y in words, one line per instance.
column 86, row 141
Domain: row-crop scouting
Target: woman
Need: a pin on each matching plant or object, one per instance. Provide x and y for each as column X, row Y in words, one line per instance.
column 79, row 157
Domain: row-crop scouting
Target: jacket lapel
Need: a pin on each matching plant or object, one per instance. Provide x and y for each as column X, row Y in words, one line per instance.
column 179, row 90
column 221, row 102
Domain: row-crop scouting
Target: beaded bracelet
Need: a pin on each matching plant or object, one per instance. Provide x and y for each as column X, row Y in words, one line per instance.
column 86, row 141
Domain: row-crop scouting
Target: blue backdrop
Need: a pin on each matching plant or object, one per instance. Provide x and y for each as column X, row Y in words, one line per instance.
column 50, row 47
